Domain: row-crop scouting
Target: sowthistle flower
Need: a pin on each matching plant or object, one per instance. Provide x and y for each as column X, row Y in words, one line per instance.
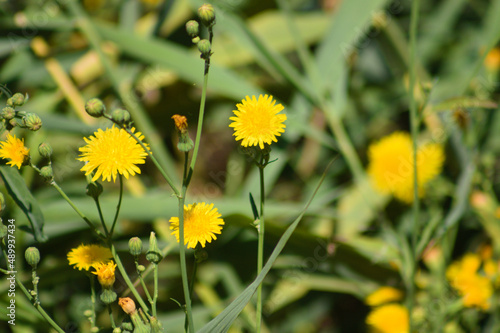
column 257, row 122
column 14, row 150
column 86, row 256
column 391, row 165
column 201, row 223
column 390, row 318
column 111, row 152
column 105, row 273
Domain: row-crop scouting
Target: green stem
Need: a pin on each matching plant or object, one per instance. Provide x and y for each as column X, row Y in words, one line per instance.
column 191, row 285
column 200, row 125
column 182, row 255
column 101, row 217
column 414, row 123
column 260, row 250
column 126, row 278
column 155, row 293
column 143, row 284
column 120, row 177
column 93, row 299
column 110, row 312
column 77, row 210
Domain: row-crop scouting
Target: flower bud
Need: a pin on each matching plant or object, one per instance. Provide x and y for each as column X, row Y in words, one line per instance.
column 117, row 330
column 11, row 124
column 120, row 116
column 32, row 256
column 8, row 113
column 17, row 99
column 153, row 255
column 207, row 14
column 95, row 107
column 195, row 40
column 108, row 296
column 185, row 143
column 127, row 305
column 204, row 48
column 32, row 121
column 141, row 268
column 94, row 190
column 47, row 173
column 45, row 150
column 192, row 28
column 135, row 246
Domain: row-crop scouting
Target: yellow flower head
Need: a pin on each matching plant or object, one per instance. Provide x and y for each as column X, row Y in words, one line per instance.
column 201, row 223
column 391, row 165
column 105, row 273
column 475, row 289
column 112, row 151
column 390, row 318
column 14, row 150
column 257, row 121
column 180, row 122
column 86, row 256
column 384, row 295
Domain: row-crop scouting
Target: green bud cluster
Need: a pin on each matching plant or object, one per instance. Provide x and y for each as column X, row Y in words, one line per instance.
column 207, row 14
column 32, row 121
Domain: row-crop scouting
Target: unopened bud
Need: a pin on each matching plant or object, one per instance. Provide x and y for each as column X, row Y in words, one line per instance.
column 8, row 113
column 141, row 268
column 193, row 28
column 120, row 116
column 45, row 150
column 47, row 173
column 207, row 14
column 205, row 48
column 94, row 190
column 153, row 255
column 117, row 330
column 32, row 121
column 95, row 107
column 32, row 256
column 17, row 99
column 135, row 246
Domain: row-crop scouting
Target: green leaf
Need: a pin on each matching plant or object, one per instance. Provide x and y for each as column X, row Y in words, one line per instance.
column 463, row 102
column 223, row 321
column 24, row 199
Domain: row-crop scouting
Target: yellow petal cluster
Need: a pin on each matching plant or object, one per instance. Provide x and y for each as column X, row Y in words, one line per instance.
column 257, row 121
column 391, row 165
column 14, row 150
column 201, row 223
column 86, row 256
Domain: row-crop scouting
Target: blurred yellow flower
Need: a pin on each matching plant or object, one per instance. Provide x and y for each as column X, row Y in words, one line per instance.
column 201, row 223
column 391, row 165
column 86, row 256
column 14, row 150
column 105, row 273
column 384, row 295
column 492, row 60
column 390, row 318
column 111, row 152
column 475, row 289
column 257, row 121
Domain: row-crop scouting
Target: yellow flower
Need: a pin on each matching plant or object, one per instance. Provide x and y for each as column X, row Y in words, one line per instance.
column 14, row 150
column 384, row 295
column 105, row 273
column 86, row 256
column 201, row 223
column 391, row 165
column 390, row 318
column 492, row 60
column 475, row 289
column 112, row 151
column 257, row 121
